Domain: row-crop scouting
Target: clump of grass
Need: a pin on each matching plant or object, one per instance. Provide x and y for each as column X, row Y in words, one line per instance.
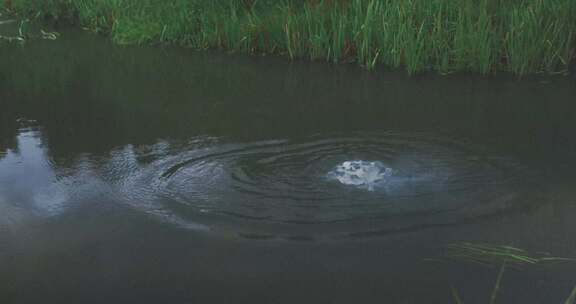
column 504, row 257
column 485, row 36
column 490, row 255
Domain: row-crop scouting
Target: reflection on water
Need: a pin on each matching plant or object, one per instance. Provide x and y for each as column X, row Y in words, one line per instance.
column 27, row 179
column 33, row 186
column 274, row 187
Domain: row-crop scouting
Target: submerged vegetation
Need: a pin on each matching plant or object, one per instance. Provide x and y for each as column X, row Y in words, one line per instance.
column 519, row 36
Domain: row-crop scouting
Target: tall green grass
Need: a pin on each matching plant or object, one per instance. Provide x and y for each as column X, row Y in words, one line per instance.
column 485, row 36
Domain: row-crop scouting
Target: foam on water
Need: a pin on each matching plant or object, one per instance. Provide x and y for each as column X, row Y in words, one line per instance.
column 361, row 173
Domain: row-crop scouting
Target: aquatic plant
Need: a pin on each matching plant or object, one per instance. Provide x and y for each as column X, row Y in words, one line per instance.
column 490, row 255
column 502, row 255
column 519, row 36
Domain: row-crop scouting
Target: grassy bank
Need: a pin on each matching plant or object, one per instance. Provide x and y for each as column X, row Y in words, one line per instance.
column 519, row 36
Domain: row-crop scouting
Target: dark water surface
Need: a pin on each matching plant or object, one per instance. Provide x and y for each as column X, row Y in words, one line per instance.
column 154, row 175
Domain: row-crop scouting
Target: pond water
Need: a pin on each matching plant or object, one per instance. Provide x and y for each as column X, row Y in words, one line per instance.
column 140, row 175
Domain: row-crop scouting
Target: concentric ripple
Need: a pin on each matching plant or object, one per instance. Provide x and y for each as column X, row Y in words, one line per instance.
column 283, row 188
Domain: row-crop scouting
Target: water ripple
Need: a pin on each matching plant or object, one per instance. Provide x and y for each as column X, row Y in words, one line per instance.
column 283, row 187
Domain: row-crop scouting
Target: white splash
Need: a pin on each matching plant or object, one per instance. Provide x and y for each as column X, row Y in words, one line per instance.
column 360, row 173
